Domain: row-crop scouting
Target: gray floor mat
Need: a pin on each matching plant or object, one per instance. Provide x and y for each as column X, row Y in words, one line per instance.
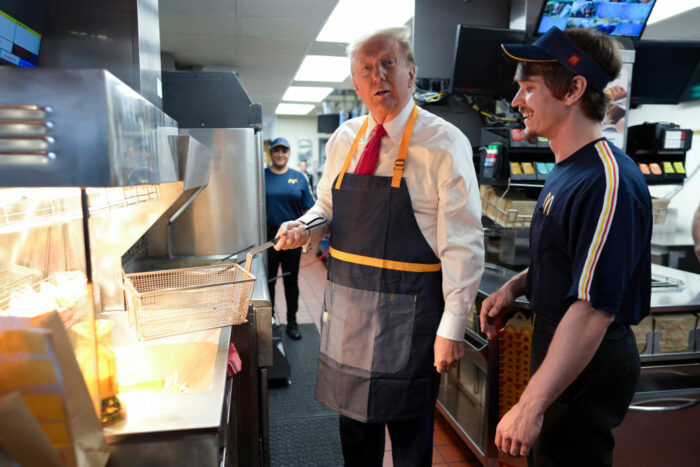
column 303, row 432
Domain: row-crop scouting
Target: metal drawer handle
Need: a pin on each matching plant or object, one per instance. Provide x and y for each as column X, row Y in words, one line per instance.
column 474, row 341
column 683, row 404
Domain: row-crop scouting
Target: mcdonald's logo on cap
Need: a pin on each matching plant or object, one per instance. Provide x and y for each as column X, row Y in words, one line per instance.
column 574, row 59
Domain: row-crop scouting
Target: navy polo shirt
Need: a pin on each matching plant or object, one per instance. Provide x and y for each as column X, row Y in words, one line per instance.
column 287, row 196
column 590, row 237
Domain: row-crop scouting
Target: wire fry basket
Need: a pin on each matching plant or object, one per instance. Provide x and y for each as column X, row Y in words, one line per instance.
column 176, row 301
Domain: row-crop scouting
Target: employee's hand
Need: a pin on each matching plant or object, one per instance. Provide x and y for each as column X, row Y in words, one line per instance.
column 518, row 429
column 292, row 234
column 494, row 309
column 447, row 354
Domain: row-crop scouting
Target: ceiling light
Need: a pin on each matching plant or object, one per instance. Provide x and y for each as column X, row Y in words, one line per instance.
column 293, row 109
column 323, row 68
column 353, row 18
column 306, row 94
column 664, row 9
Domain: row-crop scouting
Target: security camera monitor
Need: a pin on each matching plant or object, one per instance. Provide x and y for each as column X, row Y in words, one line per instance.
column 21, row 28
column 480, row 67
column 622, row 18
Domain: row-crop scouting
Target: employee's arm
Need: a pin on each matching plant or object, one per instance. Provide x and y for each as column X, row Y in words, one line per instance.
column 575, row 341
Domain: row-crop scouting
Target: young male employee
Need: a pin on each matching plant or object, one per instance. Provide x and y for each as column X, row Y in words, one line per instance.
column 590, row 268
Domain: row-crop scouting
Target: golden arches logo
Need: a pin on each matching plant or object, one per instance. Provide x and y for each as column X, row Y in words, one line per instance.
column 547, row 205
column 292, row 180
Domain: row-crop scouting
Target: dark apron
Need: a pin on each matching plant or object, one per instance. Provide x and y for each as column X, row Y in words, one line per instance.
column 383, row 300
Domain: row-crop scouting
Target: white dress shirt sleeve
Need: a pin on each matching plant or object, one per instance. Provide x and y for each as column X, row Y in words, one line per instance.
column 336, row 150
column 460, row 238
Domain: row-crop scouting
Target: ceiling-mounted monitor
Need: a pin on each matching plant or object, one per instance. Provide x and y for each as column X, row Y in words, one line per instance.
column 623, row 18
column 480, row 67
column 328, row 123
column 21, row 28
column 665, row 72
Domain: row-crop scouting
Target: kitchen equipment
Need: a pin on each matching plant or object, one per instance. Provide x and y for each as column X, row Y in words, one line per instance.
column 249, row 257
column 176, row 301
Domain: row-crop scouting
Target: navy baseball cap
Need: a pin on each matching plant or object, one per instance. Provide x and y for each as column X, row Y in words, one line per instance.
column 555, row 46
column 279, row 142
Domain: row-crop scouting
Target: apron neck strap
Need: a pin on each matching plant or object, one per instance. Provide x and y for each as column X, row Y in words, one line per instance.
column 400, row 158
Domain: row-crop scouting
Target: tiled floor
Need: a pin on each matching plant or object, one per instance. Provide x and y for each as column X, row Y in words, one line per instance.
column 448, row 448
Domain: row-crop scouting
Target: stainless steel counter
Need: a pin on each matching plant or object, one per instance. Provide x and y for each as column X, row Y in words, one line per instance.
column 149, row 411
column 674, row 290
column 493, row 278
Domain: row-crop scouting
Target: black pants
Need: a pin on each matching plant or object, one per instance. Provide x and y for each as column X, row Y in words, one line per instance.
column 289, row 259
column 411, row 440
column 577, row 427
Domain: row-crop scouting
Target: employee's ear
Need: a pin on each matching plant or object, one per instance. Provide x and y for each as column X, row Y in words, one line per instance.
column 576, row 90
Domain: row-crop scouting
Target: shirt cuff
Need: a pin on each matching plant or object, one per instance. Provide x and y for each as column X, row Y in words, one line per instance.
column 452, row 326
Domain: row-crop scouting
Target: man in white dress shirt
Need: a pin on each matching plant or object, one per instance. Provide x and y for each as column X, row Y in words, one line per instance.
column 406, row 247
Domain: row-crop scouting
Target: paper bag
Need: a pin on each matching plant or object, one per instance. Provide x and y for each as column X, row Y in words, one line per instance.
column 21, row 436
column 28, row 366
column 90, row 446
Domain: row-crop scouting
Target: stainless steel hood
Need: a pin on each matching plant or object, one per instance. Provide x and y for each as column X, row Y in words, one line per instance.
column 80, row 128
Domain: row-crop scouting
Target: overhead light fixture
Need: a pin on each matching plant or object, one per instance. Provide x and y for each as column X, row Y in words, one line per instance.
column 323, row 68
column 306, row 94
column 285, row 108
column 664, row 9
column 353, row 18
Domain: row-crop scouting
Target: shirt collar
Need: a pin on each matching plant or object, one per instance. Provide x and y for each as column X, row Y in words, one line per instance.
column 394, row 127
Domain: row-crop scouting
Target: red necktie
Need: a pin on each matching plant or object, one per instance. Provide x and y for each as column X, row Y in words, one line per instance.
column 368, row 160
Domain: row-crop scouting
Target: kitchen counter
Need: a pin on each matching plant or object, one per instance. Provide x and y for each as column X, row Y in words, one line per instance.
column 673, row 290
column 198, row 427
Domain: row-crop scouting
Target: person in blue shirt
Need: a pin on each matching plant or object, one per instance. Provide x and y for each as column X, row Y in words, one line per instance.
column 589, row 276
column 287, row 196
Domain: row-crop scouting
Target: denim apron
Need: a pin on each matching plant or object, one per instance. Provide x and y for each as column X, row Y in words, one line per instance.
column 383, row 299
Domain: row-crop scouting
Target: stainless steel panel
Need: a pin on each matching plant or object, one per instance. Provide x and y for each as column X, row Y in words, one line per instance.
column 684, row 297
column 263, row 312
column 225, row 217
column 121, row 36
column 148, row 39
column 660, row 427
column 194, row 160
column 155, row 411
column 99, row 131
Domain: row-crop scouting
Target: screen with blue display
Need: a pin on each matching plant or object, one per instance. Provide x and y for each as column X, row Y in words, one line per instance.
column 621, row 18
column 21, row 28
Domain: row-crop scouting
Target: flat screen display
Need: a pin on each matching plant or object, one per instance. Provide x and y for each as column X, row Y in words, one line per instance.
column 21, row 28
column 328, row 123
column 480, row 67
column 622, row 18
column 665, row 72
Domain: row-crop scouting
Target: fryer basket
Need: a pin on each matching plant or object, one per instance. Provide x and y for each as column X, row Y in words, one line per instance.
column 175, row 301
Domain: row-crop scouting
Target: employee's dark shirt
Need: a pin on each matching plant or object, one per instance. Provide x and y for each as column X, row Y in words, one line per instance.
column 287, row 196
column 590, row 237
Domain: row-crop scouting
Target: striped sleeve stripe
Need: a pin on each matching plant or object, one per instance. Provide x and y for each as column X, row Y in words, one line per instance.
column 607, row 212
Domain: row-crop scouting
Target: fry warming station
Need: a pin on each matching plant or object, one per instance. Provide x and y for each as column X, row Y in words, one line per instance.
column 94, row 179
